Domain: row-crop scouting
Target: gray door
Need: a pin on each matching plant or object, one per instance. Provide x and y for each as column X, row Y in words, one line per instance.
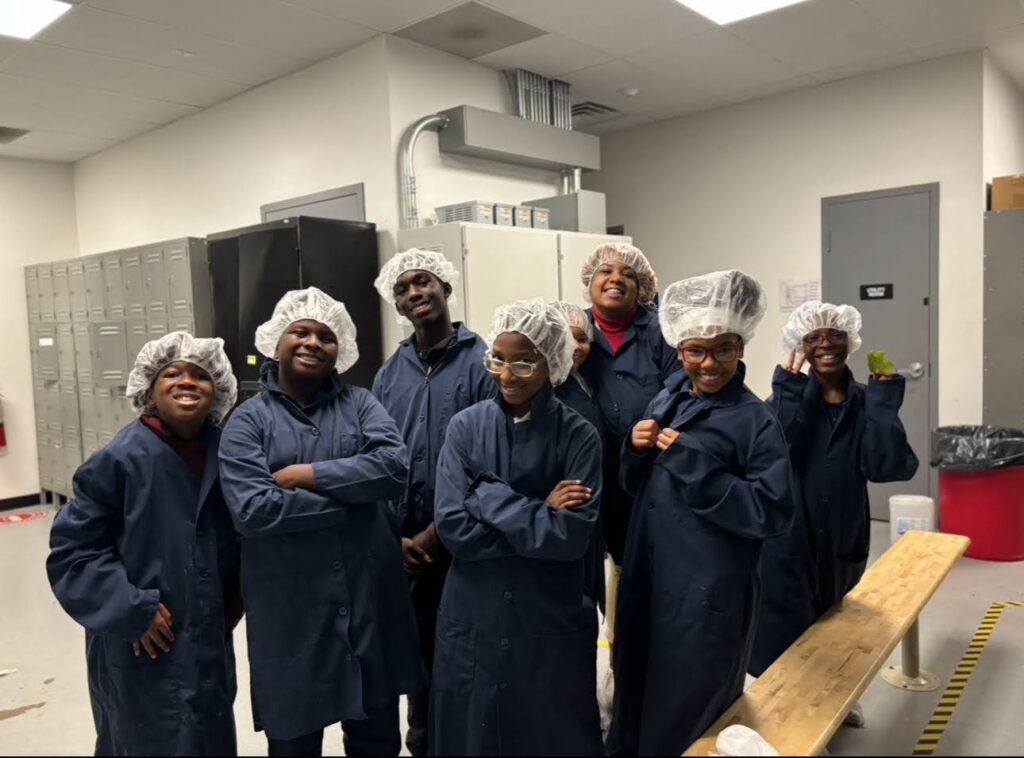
column 880, row 254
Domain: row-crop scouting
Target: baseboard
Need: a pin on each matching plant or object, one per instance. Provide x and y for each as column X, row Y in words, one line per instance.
column 24, row 501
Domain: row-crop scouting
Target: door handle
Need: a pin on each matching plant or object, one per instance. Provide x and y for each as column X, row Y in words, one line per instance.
column 915, row 371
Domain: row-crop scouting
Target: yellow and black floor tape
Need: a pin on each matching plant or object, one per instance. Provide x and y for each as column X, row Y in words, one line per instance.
column 936, row 726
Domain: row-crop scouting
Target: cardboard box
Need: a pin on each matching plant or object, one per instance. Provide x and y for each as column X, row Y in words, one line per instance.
column 1008, row 192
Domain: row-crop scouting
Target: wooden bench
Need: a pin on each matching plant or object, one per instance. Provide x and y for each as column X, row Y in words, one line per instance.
column 800, row 701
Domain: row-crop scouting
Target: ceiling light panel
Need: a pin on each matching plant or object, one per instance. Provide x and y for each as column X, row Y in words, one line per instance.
column 728, row 11
column 26, row 18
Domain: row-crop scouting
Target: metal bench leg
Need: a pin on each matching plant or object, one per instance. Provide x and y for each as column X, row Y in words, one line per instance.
column 909, row 675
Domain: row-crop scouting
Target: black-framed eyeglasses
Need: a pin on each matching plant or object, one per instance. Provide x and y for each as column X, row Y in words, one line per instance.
column 722, row 353
column 834, row 336
column 522, row 369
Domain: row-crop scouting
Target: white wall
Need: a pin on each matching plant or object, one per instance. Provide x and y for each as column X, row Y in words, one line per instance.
column 37, row 224
column 741, row 187
column 1003, row 112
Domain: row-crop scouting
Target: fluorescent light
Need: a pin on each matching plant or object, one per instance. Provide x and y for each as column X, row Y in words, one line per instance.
column 727, row 11
column 26, row 18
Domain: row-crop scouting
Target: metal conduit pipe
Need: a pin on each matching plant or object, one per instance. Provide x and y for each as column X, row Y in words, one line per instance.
column 407, row 170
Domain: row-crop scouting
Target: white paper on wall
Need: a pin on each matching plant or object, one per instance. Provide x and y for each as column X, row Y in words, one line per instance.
column 794, row 292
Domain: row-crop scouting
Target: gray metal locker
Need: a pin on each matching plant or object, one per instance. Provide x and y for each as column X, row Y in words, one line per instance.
column 54, row 419
column 125, row 413
column 95, row 288
column 43, row 455
column 45, row 339
column 182, row 324
column 109, row 353
column 179, row 282
column 69, row 411
column 155, row 277
column 45, row 279
column 76, row 291
column 107, row 414
column 89, row 419
column 61, row 292
column 58, row 470
column 66, row 352
column 156, row 328
column 32, row 293
column 134, row 284
column 72, row 460
column 136, row 335
column 113, row 284
column 83, row 352
column 39, row 401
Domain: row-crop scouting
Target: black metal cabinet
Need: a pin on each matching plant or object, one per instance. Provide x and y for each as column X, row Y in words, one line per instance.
column 254, row 266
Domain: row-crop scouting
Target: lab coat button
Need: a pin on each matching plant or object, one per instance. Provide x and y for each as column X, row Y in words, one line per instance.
column 505, row 642
column 315, row 432
column 337, row 565
column 503, row 685
column 507, row 595
column 343, row 611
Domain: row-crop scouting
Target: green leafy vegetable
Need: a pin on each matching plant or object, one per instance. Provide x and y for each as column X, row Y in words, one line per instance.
column 879, row 363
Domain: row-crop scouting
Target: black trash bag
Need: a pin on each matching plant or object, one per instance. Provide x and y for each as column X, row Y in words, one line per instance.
column 977, row 448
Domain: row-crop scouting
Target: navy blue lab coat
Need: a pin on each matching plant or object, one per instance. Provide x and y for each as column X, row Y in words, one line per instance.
column 688, row 597
column 515, row 667
column 422, row 405
column 330, row 625
column 142, row 529
column 811, row 568
column 580, row 398
column 623, row 384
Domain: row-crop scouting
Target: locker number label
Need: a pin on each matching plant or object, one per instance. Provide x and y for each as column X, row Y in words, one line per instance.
column 46, row 342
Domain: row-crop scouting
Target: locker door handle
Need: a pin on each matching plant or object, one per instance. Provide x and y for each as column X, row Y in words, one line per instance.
column 914, row 371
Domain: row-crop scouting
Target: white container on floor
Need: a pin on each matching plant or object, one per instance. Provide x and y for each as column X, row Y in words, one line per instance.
column 910, row 512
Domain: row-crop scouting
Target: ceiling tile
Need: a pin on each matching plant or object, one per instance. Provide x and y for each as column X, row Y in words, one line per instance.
column 865, row 67
column 549, row 55
column 8, row 46
column 603, row 83
column 818, row 35
column 268, row 24
column 61, row 64
column 54, row 146
column 715, row 62
column 470, row 30
column 920, row 23
column 56, row 117
column 119, row 36
column 617, row 27
column 77, row 99
column 382, row 15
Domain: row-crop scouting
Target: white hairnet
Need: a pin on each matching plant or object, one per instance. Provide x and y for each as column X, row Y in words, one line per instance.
column 633, row 257
column 205, row 352
column 544, row 326
column 723, row 302
column 316, row 305
column 415, row 259
column 815, row 314
column 575, row 316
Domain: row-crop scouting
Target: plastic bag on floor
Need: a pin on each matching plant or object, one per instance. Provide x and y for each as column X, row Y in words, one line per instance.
column 742, row 740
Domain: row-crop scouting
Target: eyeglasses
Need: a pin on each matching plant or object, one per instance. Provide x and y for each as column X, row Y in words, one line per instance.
column 722, row 353
column 521, row 369
column 834, row 336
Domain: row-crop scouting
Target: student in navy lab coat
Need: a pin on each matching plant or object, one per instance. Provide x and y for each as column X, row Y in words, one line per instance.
column 709, row 470
column 518, row 492
column 435, row 373
column 628, row 365
column 842, row 435
column 576, row 393
column 305, row 465
column 144, row 556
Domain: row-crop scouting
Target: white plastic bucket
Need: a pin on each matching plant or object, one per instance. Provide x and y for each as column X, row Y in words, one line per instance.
column 910, row 512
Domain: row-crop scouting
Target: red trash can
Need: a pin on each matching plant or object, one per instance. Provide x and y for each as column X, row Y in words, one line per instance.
column 988, row 507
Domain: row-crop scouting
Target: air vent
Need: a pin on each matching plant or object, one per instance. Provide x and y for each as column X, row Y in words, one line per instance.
column 589, row 113
column 8, row 134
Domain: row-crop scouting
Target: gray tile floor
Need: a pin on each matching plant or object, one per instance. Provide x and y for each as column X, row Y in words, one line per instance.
column 44, row 706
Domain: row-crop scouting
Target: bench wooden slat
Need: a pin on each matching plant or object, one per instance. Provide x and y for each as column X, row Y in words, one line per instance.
column 800, row 701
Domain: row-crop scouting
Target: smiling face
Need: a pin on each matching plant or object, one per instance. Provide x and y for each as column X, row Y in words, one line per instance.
column 307, row 351
column 183, row 395
column 711, row 363
column 518, row 391
column 421, row 297
column 826, row 351
column 582, row 347
column 614, row 288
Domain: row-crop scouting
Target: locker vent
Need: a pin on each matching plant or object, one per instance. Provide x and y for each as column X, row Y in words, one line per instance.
column 589, row 113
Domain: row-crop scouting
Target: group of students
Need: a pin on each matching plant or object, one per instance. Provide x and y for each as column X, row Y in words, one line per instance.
column 497, row 473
